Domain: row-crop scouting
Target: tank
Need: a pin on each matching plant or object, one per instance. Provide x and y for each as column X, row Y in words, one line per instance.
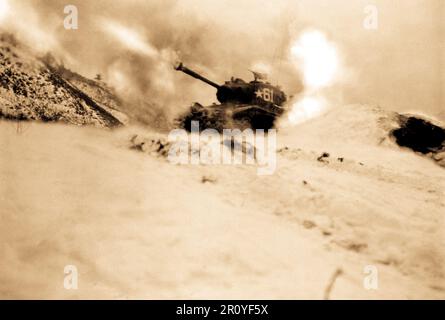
column 255, row 104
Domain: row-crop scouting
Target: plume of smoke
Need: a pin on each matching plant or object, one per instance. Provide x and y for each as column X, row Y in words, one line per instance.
column 29, row 27
column 133, row 45
column 319, row 60
column 225, row 38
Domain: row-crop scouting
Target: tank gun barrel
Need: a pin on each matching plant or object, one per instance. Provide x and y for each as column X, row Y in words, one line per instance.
column 181, row 67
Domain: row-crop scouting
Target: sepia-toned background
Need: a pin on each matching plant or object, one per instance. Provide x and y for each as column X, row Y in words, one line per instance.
column 88, row 192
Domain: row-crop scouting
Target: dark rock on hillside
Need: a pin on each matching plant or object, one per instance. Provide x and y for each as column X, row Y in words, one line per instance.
column 421, row 136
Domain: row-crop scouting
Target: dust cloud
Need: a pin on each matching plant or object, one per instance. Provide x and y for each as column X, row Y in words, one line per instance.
column 224, row 39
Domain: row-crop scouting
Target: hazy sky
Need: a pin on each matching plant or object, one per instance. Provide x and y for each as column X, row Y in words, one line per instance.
column 399, row 65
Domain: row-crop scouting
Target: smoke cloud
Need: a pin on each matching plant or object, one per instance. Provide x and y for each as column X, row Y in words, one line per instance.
column 133, row 45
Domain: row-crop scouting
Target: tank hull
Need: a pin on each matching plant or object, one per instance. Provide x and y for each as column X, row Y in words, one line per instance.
column 230, row 116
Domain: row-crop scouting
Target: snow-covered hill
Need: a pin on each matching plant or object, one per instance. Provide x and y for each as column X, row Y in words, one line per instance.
column 344, row 197
column 33, row 88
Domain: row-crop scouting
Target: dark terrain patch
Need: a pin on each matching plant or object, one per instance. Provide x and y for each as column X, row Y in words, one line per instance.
column 419, row 135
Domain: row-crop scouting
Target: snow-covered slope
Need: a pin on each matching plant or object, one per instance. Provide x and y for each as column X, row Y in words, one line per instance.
column 33, row 88
column 136, row 226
